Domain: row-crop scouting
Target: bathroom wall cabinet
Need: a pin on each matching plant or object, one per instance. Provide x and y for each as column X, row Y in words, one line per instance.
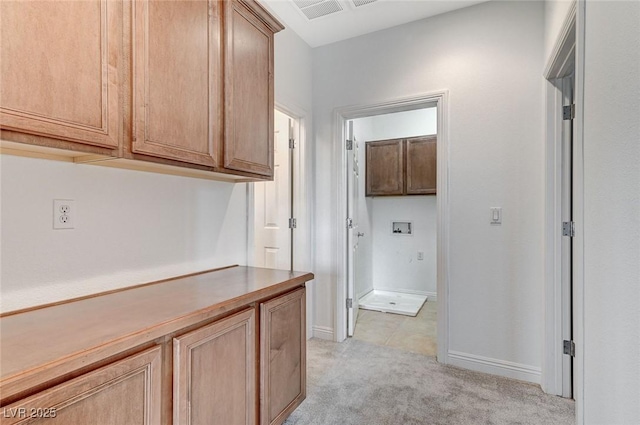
column 222, row 347
column 401, row 167
column 109, row 80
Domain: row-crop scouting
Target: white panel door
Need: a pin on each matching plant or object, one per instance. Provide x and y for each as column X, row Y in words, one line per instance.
column 353, row 234
column 272, row 236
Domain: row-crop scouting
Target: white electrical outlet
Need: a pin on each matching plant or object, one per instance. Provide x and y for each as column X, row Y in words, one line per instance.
column 64, row 211
column 420, row 255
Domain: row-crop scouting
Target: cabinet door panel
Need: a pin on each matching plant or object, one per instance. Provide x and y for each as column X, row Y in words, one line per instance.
column 385, row 173
column 248, row 92
column 282, row 356
column 59, row 69
column 178, row 80
column 421, row 165
column 124, row 393
column 214, row 373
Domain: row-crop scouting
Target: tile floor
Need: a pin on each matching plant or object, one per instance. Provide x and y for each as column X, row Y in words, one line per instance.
column 414, row 334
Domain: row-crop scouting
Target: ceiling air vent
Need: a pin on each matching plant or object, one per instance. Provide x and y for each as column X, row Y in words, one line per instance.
column 314, row 9
column 358, row 3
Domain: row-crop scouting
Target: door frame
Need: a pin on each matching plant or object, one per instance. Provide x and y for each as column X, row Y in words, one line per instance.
column 439, row 99
column 303, row 200
column 569, row 44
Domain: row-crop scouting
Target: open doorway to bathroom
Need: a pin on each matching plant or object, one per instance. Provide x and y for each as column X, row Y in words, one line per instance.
column 392, row 229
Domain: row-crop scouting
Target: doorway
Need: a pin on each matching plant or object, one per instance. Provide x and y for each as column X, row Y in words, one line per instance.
column 274, row 221
column 348, row 294
column 562, row 324
column 392, row 238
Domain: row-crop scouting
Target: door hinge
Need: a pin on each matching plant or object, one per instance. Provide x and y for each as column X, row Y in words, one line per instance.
column 349, row 223
column 349, row 145
column 569, row 348
column 293, row 223
column 292, row 143
column 569, row 112
column 569, row 228
column 349, row 302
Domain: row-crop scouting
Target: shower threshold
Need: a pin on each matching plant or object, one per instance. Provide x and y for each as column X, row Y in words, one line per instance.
column 393, row 302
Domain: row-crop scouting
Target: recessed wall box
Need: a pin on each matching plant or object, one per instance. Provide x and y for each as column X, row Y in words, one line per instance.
column 401, row 227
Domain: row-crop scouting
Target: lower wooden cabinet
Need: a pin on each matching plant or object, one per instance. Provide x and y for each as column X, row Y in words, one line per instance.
column 204, row 374
column 283, row 368
column 214, row 373
column 126, row 392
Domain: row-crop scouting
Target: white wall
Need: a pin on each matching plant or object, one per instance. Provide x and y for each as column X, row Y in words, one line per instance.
column 293, row 71
column 395, row 257
column 612, row 213
column 131, row 227
column 555, row 12
column 293, row 92
column 489, row 57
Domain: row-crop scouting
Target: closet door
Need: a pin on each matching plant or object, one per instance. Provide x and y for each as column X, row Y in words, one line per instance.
column 59, row 70
column 178, row 80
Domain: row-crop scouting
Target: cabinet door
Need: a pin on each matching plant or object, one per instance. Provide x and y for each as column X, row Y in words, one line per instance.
column 283, row 367
column 59, row 69
column 177, row 112
column 126, row 392
column 214, row 373
column 385, row 173
column 249, row 101
column 421, row 165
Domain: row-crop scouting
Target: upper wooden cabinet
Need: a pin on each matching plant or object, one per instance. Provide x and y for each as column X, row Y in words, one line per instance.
column 421, row 163
column 401, row 167
column 178, row 83
column 385, row 168
column 60, row 63
column 249, row 99
column 177, row 75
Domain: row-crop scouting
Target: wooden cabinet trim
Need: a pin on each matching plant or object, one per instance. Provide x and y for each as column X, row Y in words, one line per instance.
column 266, row 311
column 77, row 390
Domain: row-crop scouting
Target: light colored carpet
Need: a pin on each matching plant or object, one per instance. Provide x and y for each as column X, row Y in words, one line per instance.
column 356, row 382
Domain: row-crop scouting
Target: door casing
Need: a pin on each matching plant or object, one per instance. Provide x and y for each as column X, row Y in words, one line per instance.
column 567, row 57
column 440, row 100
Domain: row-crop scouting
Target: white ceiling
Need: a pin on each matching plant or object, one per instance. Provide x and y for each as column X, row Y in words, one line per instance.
column 352, row 21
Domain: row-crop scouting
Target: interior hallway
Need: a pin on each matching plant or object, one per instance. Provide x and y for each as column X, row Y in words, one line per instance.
column 357, row 382
column 415, row 334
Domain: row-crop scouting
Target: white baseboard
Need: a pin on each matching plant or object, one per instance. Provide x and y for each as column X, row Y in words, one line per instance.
column 362, row 294
column 432, row 296
column 323, row 332
column 504, row 368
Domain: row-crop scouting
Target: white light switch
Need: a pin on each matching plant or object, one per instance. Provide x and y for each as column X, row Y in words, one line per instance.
column 496, row 215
